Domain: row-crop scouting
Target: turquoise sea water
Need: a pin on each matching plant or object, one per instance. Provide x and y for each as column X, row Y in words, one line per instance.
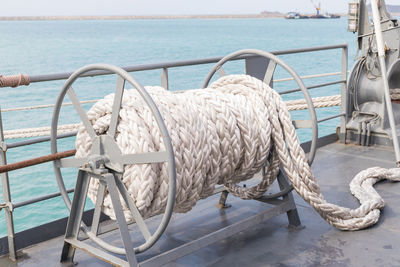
column 39, row 47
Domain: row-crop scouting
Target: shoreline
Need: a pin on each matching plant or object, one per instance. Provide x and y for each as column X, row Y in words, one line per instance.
column 232, row 16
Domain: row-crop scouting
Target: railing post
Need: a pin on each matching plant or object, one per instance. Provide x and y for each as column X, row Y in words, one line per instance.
column 344, row 106
column 164, row 79
column 8, row 209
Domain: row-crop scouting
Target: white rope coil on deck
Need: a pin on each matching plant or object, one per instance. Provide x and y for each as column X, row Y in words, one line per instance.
column 221, row 135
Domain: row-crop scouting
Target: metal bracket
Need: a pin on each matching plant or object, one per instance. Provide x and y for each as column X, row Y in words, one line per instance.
column 8, row 205
column 96, row 164
column 3, row 146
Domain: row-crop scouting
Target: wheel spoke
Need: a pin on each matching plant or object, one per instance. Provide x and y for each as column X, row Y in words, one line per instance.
column 71, row 162
column 119, row 214
column 81, row 113
column 142, row 158
column 221, row 72
column 119, row 91
column 135, row 212
column 97, row 211
column 270, row 72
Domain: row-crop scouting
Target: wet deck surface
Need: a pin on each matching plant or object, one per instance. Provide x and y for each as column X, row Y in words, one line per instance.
column 271, row 243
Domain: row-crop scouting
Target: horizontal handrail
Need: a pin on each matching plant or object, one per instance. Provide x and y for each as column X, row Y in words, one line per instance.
column 95, row 100
column 309, row 76
column 331, row 117
column 36, row 161
column 38, row 140
column 312, row 87
column 39, row 199
column 173, row 64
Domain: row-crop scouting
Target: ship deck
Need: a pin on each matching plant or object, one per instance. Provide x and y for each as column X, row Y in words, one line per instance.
column 272, row 243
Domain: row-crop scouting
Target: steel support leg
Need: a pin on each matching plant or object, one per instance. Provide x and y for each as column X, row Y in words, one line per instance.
column 121, row 220
column 293, row 216
column 97, row 210
column 75, row 217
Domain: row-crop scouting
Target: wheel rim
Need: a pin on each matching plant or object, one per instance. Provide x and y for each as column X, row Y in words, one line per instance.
column 166, row 139
column 267, row 78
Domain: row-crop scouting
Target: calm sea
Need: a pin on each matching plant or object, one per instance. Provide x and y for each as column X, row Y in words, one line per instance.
column 39, row 47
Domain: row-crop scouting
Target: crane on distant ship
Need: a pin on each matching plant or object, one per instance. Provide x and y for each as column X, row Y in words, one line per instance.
column 317, row 7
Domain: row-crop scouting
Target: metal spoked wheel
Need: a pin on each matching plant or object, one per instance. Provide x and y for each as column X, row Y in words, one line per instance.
column 273, row 62
column 105, row 151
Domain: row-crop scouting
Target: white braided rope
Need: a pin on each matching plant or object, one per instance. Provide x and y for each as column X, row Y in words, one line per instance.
column 39, row 131
column 319, row 102
column 46, row 106
column 301, row 104
column 395, row 94
column 221, row 135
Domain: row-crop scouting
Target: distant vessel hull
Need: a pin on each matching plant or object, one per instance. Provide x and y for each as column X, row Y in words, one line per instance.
column 295, row 15
column 327, row 16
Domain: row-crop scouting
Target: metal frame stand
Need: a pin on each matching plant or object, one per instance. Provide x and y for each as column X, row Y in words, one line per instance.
column 71, row 242
column 293, row 215
column 112, row 182
column 284, row 205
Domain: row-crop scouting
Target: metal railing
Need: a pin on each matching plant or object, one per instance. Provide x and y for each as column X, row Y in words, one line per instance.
column 9, row 206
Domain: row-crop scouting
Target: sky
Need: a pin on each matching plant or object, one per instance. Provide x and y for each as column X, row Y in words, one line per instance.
column 164, row 7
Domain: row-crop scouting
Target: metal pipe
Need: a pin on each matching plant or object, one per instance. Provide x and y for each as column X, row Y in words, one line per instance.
column 321, row 75
column 368, row 134
column 331, row 117
column 36, row 161
column 311, row 87
column 38, row 199
column 142, row 67
column 359, row 134
column 344, row 107
column 5, row 184
column 381, row 53
column 363, row 133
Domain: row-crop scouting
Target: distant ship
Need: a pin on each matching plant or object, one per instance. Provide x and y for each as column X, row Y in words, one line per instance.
column 318, row 15
column 295, row 15
column 325, row 16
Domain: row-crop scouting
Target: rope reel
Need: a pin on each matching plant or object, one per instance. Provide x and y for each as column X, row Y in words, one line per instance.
column 164, row 148
column 106, row 155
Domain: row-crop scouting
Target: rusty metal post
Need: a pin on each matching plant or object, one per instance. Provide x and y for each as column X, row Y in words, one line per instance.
column 8, row 207
column 222, row 200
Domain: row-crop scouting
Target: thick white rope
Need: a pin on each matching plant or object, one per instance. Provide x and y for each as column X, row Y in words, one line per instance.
column 45, row 106
column 221, row 135
column 395, row 94
column 301, row 104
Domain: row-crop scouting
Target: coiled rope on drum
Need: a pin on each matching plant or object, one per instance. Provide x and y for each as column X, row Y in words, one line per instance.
column 221, row 135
